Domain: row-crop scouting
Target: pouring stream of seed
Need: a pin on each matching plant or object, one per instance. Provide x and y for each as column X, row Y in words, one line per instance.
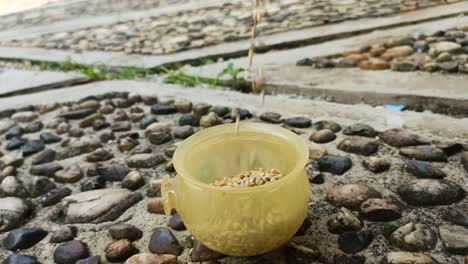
column 260, row 176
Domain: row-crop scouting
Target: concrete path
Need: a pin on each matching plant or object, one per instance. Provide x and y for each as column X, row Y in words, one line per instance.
column 240, row 48
column 449, row 127
column 291, row 56
column 21, row 81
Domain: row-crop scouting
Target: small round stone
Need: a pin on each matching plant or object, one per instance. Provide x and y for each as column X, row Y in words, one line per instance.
column 159, row 109
column 335, row 164
column 323, row 136
column 428, row 192
column 155, row 205
column 210, row 120
column 351, row 196
column 424, row 153
column 360, row 129
column 70, row 252
column 189, row 120
column 422, row 169
column 133, row 180
column 183, row 132
column 23, row 238
column 271, row 117
column 327, row 124
column 344, row 221
column 376, row 165
column 176, row 223
column 125, row 231
column 201, row 253
column 21, row 259
column 359, row 145
column 353, row 242
column 299, row 122
column 162, row 241
column 414, row 237
column 120, row 250
column 379, row 210
column 63, row 234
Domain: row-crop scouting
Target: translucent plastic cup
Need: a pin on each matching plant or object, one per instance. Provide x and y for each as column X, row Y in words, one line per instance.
column 241, row 221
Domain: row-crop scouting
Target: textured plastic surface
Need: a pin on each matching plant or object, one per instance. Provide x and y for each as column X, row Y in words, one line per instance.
column 242, row 221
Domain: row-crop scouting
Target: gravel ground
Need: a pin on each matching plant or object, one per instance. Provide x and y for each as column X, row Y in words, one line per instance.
column 206, row 27
column 394, row 204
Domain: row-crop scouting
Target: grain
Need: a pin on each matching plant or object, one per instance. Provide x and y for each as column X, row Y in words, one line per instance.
column 249, row 179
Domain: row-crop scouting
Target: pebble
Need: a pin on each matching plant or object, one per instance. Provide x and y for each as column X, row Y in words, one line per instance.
column 155, row 205
column 88, row 121
column 335, row 164
column 78, row 114
column 159, row 138
column 54, row 196
column 408, row 257
column 271, row 117
column 210, row 120
column 343, row 258
column 344, row 221
column 457, row 215
column 360, row 129
column 11, row 186
column 220, row 110
column 201, row 109
column 298, row 122
column 176, row 223
column 376, row 165
column 414, row 237
column 120, row 250
column 21, row 259
column 450, row 148
column 49, row 138
column 16, row 131
column 158, row 127
column 112, row 172
column 183, row 132
column 63, row 128
column 359, row 145
column 424, row 153
column 90, row 260
column 100, row 125
column 162, row 241
column 401, row 138
column 98, row 206
column 13, row 212
column 147, row 120
column 125, row 231
column 374, row 64
column 63, row 234
column 71, row 174
column 154, row 188
column 31, row 147
column 45, row 156
column 120, row 116
column 351, row 196
column 15, row 143
column 121, row 126
column 127, row 144
column 93, row 183
column 99, row 154
column 147, row 160
column 379, row 210
column 70, row 252
column 454, row 238
column 46, row 169
column 39, row 185
column 6, row 124
column 133, row 181
column 24, row 117
column 422, row 169
column 12, row 160
column 189, row 120
column 147, row 258
column 323, row 136
column 352, row 242
column 23, row 238
column 183, row 106
column 106, row 109
column 159, row 109
column 428, row 192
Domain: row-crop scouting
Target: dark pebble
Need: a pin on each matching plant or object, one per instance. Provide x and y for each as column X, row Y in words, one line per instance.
column 162, row 241
column 271, row 117
column 220, row 110
column 125, row 231
column 31, row 147
column 15, row 143
column 90, row 260
column 353, row 242
column 78, row 114
column 183, row 132
column 33, row 127
column 54, row 196
column 299, row 122
column 376, row 165
column 100, row 124
column 456, row 215
column 360, row 129
column 147, row 120
column 450, row 148
column 160, row 138
column 16, row 131
column 21, row 259
column 359, row 145
column 49, row 138
column 335, row 164
column 429, row 192
column 323, row 136
column 379, row 210
column 401, row 138
column 70, row 252
column 176, row 222
column 46, row 169
column 120, row 250
column 23, row 238
column 327, row 124
column 121, row 126
column 45, row 156
column 63, row 234
column 422, row 169
column 112, row 172
column 189, row 120
column 159, row 109
column 425, row 153
column 93, row 183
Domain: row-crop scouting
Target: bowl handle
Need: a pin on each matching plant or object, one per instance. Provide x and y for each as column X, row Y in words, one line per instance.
column 168, row 194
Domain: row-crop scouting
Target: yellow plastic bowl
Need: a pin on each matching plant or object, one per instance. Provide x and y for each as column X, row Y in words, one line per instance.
column 242, row 221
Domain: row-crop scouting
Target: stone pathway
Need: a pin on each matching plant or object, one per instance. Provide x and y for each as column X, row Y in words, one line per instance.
column 78, row 163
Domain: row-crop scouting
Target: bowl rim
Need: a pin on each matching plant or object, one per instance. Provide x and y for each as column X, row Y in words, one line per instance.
column 298, row 143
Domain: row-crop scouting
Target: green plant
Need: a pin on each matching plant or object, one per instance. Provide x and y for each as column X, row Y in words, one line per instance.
column 178, row 77
column 231, row 71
